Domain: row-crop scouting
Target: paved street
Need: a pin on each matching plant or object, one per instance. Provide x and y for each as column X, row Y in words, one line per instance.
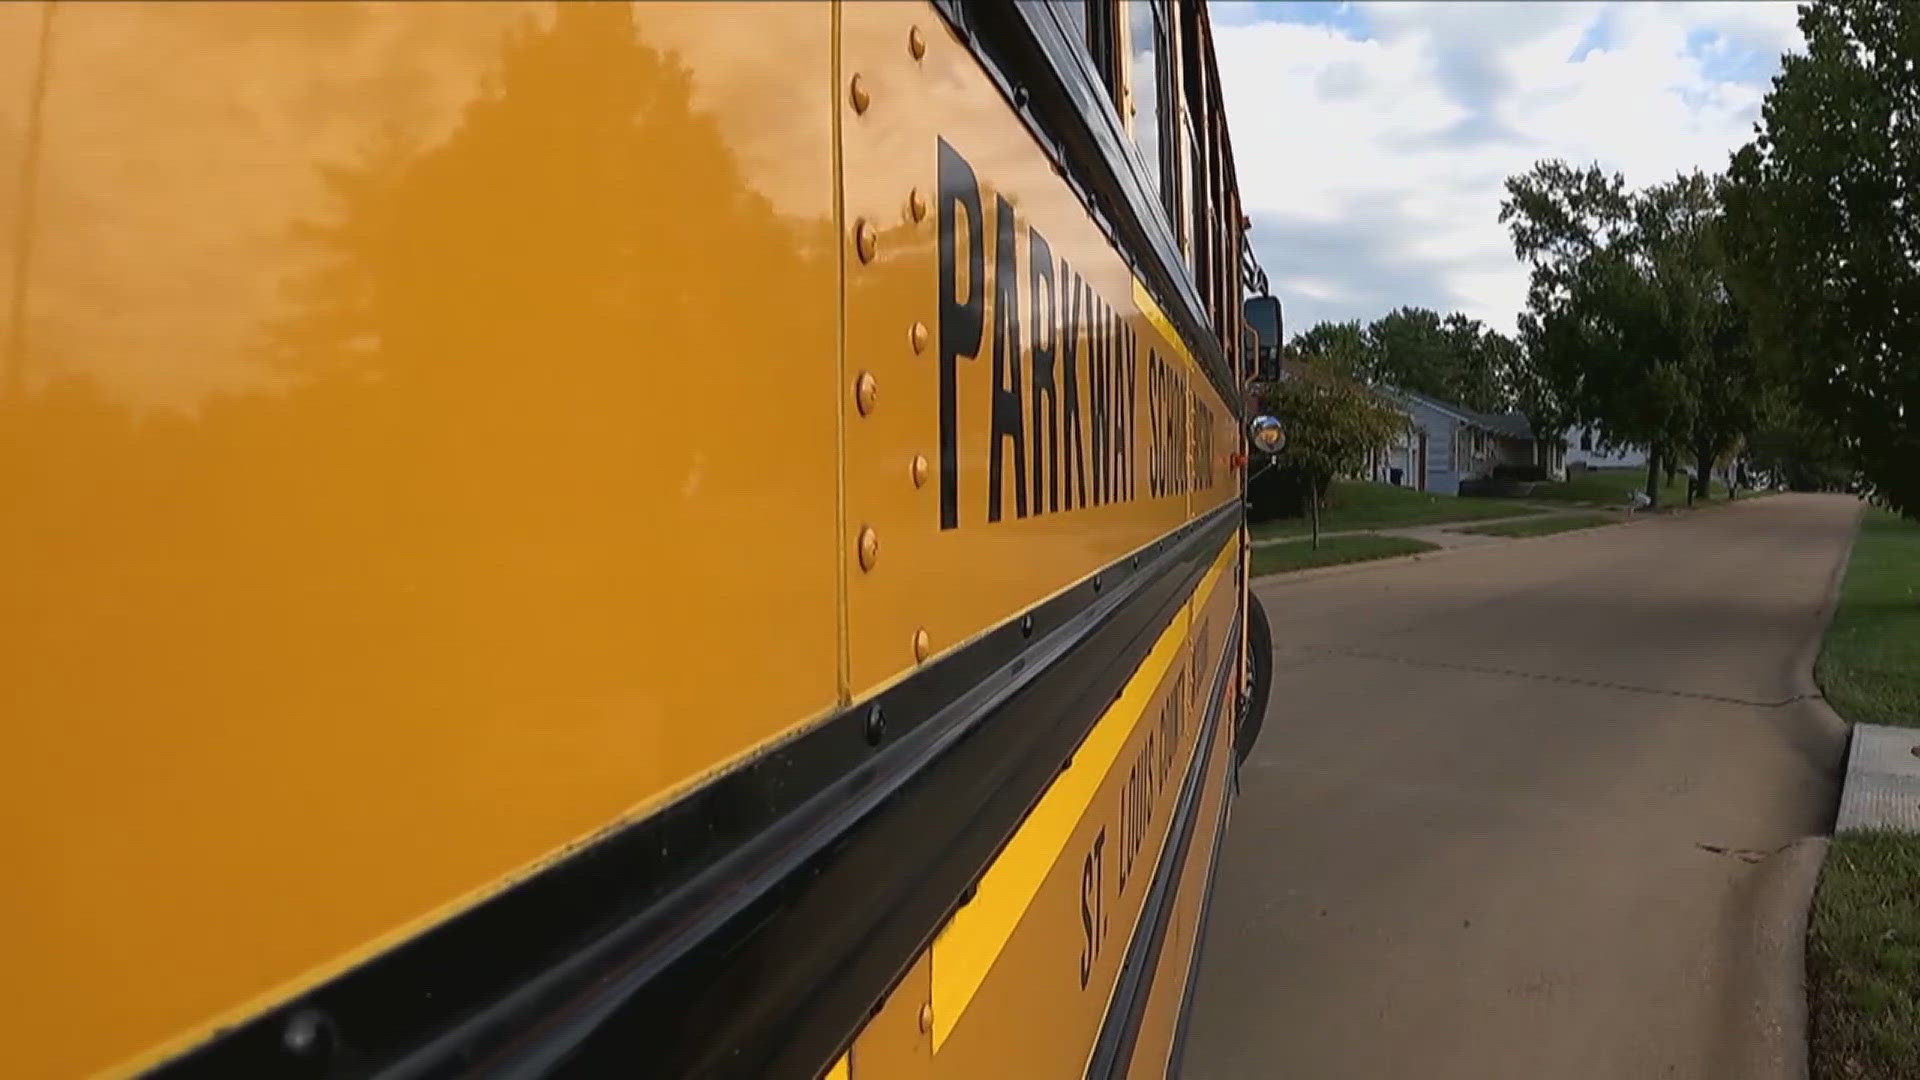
column 1508, row 813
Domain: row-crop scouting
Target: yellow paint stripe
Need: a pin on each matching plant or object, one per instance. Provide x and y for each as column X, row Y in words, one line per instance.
column 966, row 948
column 1143, row 300
column 840, row 1070
column 973, row 939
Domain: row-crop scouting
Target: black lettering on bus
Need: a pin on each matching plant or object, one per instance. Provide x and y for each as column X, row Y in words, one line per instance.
column 1093, row 915
column 1007, row 424
column 1097, row 375
column 1072, row 305
column 1042, row 314
column 1124, row 416
column 1177, row 437
column 961, row 319
column 1153, row 409
column 1153, row 422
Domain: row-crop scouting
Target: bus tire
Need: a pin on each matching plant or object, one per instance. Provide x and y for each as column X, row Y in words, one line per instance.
column 1259, row 678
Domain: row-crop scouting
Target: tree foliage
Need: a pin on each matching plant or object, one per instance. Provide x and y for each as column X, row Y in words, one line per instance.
column 1630, row 327
column 1342, row 348
column 1823, row 239
column 1452, row 358
column 1334, row 423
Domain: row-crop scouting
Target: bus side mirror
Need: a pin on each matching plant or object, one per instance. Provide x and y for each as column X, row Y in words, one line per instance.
column 1268, row 322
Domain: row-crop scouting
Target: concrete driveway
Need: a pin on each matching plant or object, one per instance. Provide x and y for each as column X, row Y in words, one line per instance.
column 1510, row 813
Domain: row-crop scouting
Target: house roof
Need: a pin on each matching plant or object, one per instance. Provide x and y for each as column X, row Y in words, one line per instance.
column 1511, row 425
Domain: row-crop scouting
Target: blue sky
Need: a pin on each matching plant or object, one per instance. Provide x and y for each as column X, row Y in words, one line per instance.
column 1373, row 138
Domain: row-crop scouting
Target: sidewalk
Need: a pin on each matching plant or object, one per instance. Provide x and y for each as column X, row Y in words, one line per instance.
column 1443, row 533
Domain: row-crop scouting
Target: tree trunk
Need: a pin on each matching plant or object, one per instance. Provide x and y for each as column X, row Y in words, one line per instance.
column 1313, row 508
column 1703, row 473
column 1653, row 478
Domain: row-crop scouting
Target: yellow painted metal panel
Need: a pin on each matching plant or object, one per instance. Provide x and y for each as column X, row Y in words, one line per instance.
column 24, row 28
column 1051, row 920
column 897, row 1043
column 423, row 457
column 973, row 940
column 1015, row 360
column 1160, row 1022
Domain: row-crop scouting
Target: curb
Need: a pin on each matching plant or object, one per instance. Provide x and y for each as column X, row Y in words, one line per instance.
column 1809, row 655
column 1768, row 1037
column 1765, row 1029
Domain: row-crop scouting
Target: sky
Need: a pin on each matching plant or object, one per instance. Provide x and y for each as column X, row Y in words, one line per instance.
column 1373, row 139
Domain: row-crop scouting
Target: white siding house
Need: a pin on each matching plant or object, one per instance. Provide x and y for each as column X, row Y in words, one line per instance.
column 1452, row 444
column 1584, row 448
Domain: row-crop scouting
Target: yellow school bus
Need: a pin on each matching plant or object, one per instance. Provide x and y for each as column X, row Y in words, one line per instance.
column 627, row 539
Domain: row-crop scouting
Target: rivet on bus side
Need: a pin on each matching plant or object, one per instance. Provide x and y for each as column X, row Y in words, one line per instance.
column 926, row 1017
column 917, row 204
column 858, row 93
column 869, row 547
column 919, row 470
column 916, row 44
column 864, row 240
column 919, row 337
column 864, row 391
column 922, row 644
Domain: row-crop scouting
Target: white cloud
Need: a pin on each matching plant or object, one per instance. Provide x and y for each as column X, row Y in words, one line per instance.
column 1373, row 168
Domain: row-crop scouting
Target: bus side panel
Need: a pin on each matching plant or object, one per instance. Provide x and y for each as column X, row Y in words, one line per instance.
column 419, row 454
column 1024, row 973
column 897, row 1043
column 1028, row 419
column 1159, row 1025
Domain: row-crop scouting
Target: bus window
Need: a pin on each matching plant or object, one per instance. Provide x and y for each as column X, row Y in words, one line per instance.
column 1146, row 55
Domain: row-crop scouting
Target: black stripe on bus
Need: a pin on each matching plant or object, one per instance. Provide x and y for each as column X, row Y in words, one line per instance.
column 1120, row 1030
column 1178, row 1053
column 748, row 929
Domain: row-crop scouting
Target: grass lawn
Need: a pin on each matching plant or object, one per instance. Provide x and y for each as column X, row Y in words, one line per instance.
column 1614, row 487
column 1540, row 526
column 1357, row 504
column 1863, row 959
column 1869, row 667
column 1280, row 558
column 1863, row 940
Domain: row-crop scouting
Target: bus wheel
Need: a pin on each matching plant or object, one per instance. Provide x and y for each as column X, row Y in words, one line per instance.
column 1259, row 678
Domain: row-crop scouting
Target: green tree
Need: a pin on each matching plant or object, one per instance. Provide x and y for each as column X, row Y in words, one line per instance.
column 1481, row 361
column 1796, row 447
column 1823, row 238
column 1337, row 347
column 1410, row 350
column 1334, row 424
column 1630, row 325
column 1453, row 358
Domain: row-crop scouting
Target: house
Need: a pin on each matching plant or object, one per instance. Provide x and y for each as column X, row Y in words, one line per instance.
column 1584, row 448
column 1395, row 464
column 1451, row 444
